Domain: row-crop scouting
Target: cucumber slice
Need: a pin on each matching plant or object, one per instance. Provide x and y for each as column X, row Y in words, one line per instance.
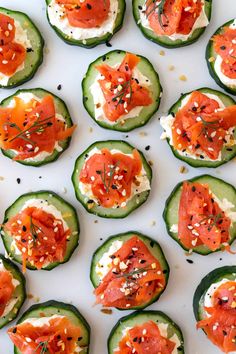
column 132, row 204
column 219, row 187
column 211, row 57
column 19, row 292
column 154, row 248
column 227, row 153
column 93, row 41
column 61, row 109
column 138, row 318
column 227, row 272
column 146, row 68
column 34, row 55
column 165, row 41
column 51, row 308
column 69, row 215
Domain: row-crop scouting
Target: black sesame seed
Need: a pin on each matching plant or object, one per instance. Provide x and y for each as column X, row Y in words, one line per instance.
column 189, row 261
column 18, row 180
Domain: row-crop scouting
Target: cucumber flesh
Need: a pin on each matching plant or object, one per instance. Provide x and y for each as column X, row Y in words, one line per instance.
column 61, row 109
column 68, row 213
column 94, row 41
column 138, row 318
column 19, row 292
column 34, row 55
column 132, row 204
column 51, row 308
column 165, row 41
column 218, row 187
column 151, row 244
column 227, row 154
column 210, row 58
column 145, row 67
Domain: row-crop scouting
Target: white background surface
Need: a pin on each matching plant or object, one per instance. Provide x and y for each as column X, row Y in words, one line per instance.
column 66, row 65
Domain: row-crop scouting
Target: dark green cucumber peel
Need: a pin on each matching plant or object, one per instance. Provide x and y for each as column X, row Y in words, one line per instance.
column 115, row 213
column 92, row 42
column 210, row 53
column 138, row 318
column 53, row 307
column 146, row 68
column 164, row 41
column 219, row 187
column 19, row 292
column 61, row 108
column 154, row 248
column 226, row 154
column 228, row 272
column 72, row 222
column 34, row 57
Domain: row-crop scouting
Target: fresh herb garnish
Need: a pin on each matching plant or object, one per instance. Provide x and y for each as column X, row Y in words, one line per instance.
column 126, row 90
column 34, row 230
column 43, row 346
column 137, row 271
column 110, row 174
column 157, row 6
column 213, row 125
column 37, row 127
column 215, row 219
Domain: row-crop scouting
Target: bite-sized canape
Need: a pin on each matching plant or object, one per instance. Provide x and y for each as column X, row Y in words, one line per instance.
column 21, row 48
column 200, row 214
column 214, row 307
column 129, row 271
column 121, row 91
column 40, row 230
column 12, row 291
column 172, row 23
column 86, row 23
column 111, row 179
column 35, row 128
column 51, row 327
column 200, row 128
column 221, row 56
column 147, row 332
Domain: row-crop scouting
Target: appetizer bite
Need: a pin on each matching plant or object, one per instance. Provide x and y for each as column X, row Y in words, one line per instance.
column 21, row 48
column 40, row 230
column 200, row 214
column 129, row 271
column 36, row 127
column 214, row 307
column 221, row 56
column 12, row 291
column 51, row 327
column 200, row 128
column 86, row 23
column 111, row 179
column 172, row 23
column 121, row 91
column 147, row 332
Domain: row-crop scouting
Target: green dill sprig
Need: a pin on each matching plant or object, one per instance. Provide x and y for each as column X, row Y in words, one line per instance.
column 43, row 346
column 126, row 89
column 160, row 7
column 215, row 219
column 213, row 125
column 33, row 230
column 137, row 271
column 110, row 174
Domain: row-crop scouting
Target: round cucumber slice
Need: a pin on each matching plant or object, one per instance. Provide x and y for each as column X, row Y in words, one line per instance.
column 93, row 208
column 211, row 57
column 68, row 213
column 51, row 308
column 61, row 109
column 165, row 41
column 219, row 188
column 227, row 272
column 34, row 54
column 19, row 293
column 154, row 248
column 146, row 68
column 227, row 154
column 138, row 318
column 92, row 41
